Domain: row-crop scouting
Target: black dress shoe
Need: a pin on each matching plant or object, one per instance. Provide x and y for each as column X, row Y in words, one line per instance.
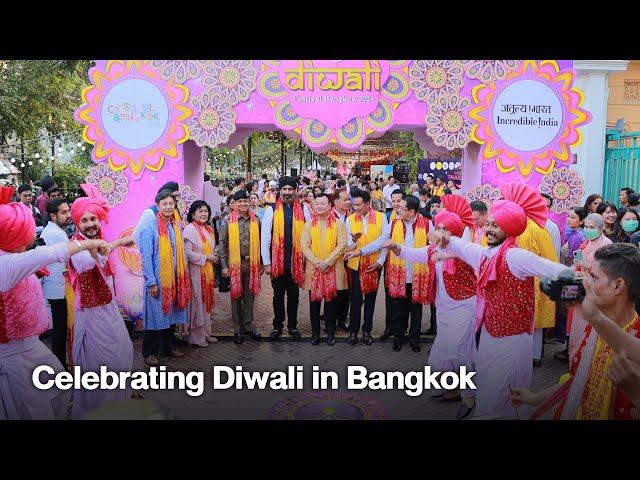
column 537, row 363
column 254, row 335
column 275, row 334
column 237, row 338
column 353, row 339
column 397, row 345
column 295, row 334
column 464, row 411
column 315, row 340
column 387, row 334
column 331, row 340
column 342, row 325
column 415, row 347
column 366, row 338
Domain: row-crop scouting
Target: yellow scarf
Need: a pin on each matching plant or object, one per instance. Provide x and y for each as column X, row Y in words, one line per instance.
column 168, row 281
column 323, row 285
column 234, row 256
column 368, row 281
column 207, row 277
column 598, row 393
column 277, row 244
column 396, row 266
column 439, row 191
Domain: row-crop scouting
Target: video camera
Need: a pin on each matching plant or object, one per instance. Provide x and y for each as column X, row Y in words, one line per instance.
column 565, row 288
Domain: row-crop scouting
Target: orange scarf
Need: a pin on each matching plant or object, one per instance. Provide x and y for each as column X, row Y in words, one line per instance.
column 396, row 267
column 207, row 277
column 277, row 247
column 323, row 285
column 234, row 256
column 368, row 280
column 170, row 294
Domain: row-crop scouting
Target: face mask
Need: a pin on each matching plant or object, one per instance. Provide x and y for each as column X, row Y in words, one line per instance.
column 591, row 233
column 630, row 226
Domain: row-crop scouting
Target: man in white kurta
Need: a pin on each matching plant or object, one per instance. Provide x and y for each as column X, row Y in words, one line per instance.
column 100, row 336
column 506, row 298
column 454, row 288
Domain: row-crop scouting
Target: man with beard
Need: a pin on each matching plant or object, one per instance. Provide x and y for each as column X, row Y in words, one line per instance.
column 283, row 257
column 99, row 334
column 506, row 296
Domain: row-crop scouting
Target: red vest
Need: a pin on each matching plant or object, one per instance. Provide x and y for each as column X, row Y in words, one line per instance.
column 460, row 286
column 509, row 303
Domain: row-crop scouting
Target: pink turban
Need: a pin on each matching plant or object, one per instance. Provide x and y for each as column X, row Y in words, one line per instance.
column 520, row 202
column 509, row 216
column 93, row 203
column 451, row 221
column 456, row 216
column 17, row 226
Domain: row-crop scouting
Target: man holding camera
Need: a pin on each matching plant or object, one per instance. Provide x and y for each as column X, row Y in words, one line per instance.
column 604, row 377
column 506, row 296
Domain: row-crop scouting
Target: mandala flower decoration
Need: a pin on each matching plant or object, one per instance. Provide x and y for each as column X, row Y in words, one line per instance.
column 328, row 406
column 431, row 78
column 178, row 70
column 111, row 111
column 486, row 193
column 317, row 129
column 130, row 256
column 214, row 120
column 112, row 184
column 488, row 70
column 543, row 159
column 233, row 80
column 565, row 186
column 185, row 198
column 447, row 123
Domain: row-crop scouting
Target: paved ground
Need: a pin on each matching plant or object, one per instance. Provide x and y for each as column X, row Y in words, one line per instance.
column 264, row 355
column 260, row 356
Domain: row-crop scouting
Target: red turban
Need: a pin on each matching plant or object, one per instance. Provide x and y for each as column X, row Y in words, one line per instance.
column 17, row 226
column 520, row 202
column 5, row 194
column 93, row 203
column 457, row 215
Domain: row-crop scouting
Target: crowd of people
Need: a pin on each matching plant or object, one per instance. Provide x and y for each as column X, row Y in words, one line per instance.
column 476, row 269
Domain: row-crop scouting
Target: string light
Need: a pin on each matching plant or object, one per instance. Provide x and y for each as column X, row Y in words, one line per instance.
column 13, row 160
column 37, row 155
column 22, row 165
column 30, row 163
column 41, row 161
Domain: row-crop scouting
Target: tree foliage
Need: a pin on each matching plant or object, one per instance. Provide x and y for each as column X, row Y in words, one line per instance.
column 39, row 95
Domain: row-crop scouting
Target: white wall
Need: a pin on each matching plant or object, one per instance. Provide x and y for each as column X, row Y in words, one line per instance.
column 593, row 81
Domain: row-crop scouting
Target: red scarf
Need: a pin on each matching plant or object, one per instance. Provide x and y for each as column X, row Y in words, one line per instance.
column 277, row 247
